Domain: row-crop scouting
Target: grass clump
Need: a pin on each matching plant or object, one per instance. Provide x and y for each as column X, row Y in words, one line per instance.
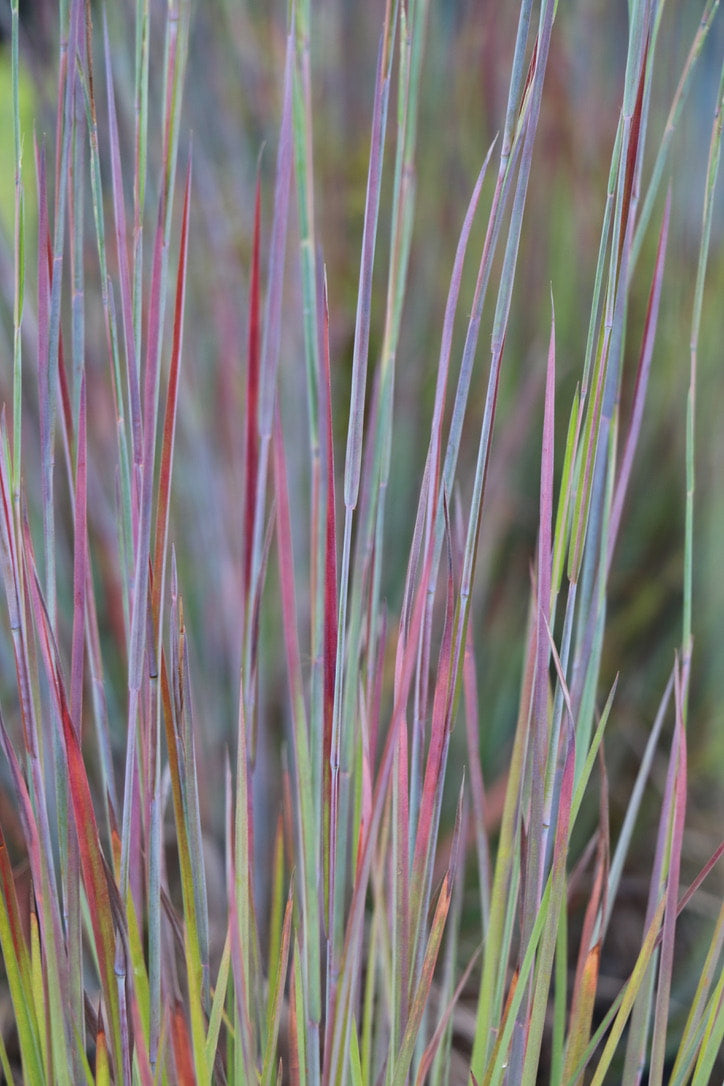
column 249, row 830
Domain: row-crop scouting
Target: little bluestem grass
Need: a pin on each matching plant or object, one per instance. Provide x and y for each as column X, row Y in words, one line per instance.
column 260, row 869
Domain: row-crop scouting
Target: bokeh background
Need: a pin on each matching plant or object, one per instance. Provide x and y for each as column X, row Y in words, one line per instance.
column 231, row 112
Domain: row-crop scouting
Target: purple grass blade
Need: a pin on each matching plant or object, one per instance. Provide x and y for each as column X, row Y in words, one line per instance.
column 9, row 562
column 81, row 568
column 581, row 506
column 477, row 787
column 66, row 413
column 370, row 732
column 432, row 495
column 43, row 330
column 330, row 632
column 286, row 577
column 541, row 739
column 500, row 324
column 64, row 129
column 76, row 227
column 414, row 562
column 300, row 739
column 330, row 566
column 119, row 211
column 642, row 378
column 546, row 487
column 705, row 871
column 443, row 366
column 401, row 902
column 269, row 364
column 193, row 816
column 243, row 1046
column 273, row 315
column 353, row 456
column 251, row 415
column 139, row 618
column 140, row 1051
column 435, row 767
column 150, row 415
column 633, row 156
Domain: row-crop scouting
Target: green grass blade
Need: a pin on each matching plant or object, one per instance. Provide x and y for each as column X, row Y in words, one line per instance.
column 674, row 847
column 544, row 963
column 695, row 1023
column 707, row 217
column 711, row 1044
column 276, row 992
column 18, row 971
column 217, row 1006
column 630, row 993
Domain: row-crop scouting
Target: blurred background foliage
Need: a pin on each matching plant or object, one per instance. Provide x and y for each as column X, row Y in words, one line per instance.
column 232, row 108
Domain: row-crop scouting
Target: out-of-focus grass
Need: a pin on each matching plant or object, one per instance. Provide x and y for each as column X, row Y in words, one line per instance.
column 202, row 608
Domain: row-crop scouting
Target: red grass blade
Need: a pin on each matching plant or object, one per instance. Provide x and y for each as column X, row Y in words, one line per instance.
column 632, row 157
column 31, row 835
column 706, row 870
column 353, row 457
column 182, row 1054
column 17, row 963
column 91, row 856
column 370, row 729
column 139, row 1044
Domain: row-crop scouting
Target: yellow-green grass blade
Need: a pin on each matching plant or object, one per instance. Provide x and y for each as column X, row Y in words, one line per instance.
column 630, row 993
